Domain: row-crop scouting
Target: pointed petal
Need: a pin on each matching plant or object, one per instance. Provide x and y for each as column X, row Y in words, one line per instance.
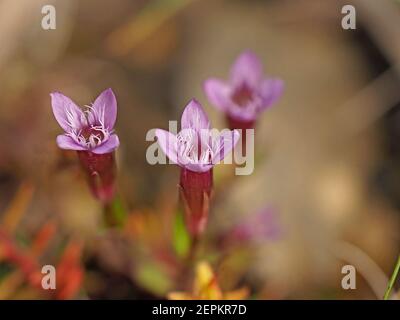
column 217, row 93
column 271, row 90
column 224, row 144
column 108, row 146
column 167, row 142
column 67, row 143
column 104, row 110
column 246, row 69
column 194, row 117
column 67, row 113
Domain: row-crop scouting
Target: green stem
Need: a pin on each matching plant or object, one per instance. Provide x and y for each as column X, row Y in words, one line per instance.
column 392, row 279
column 115, row 213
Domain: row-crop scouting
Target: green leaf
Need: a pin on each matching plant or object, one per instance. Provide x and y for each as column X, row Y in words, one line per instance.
column 181, row 240
column 153, row 278
column 115, row 213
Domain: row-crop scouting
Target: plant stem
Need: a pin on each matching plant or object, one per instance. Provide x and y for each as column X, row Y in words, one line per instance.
column 392, row 279
column 114, row 213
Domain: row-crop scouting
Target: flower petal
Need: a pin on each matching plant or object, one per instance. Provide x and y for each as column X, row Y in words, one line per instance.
column 67, row 113
column 104, row 110
column 270, row 91
column 108, row 146
column 167, row 142
column 224, row 144
column 246, row 69
column 194, row 117
column 217, row 93
column 67, row 143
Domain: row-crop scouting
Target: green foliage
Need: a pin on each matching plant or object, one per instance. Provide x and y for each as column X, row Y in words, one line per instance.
column 115, row 213
column 152, row 277
column 181, row 237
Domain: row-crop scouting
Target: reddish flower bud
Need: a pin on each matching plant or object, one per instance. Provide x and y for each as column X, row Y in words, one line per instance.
column 100, row 170
column 195, row 192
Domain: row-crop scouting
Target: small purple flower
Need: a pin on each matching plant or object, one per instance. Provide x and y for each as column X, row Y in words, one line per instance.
column 196, row 149
column 256, row 228
column 91, row 134
column 89, row 130
column 246, row 94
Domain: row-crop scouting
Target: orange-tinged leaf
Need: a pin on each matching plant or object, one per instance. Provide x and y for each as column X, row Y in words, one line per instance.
column 42, row 238
column 17, row 207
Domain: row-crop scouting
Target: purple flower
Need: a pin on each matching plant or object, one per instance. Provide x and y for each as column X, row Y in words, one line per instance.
column 196, row 147
column 91, row 134
column 256, row 228
column 89, row 130
column 247, row 92
column 261, row 226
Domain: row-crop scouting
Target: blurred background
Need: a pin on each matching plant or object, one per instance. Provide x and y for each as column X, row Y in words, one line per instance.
column 327, row 164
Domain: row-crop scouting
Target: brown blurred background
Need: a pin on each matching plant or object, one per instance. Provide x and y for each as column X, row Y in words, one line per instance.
column 327, row 155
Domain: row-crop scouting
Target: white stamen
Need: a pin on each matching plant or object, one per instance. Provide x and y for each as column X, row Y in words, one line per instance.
column 77, row 127
column 190, row 143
